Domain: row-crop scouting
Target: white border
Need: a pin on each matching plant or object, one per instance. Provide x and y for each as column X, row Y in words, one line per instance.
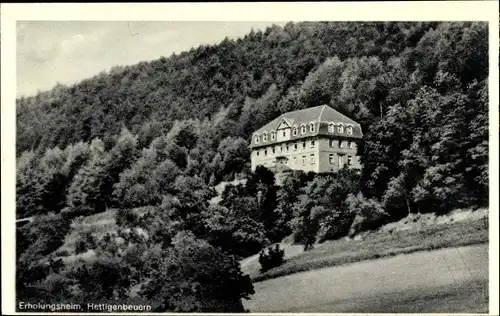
column 351, row 11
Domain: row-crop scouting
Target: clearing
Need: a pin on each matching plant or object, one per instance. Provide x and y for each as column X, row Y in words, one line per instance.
column 452, row 280
column 411, row 234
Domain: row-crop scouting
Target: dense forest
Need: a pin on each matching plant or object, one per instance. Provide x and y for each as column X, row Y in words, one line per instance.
column 152, row 140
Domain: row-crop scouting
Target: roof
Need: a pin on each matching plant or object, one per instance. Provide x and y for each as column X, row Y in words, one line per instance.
column 321, row 115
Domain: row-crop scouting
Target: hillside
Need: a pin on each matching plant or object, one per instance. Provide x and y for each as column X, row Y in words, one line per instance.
column 142, row 167
column 198, row 83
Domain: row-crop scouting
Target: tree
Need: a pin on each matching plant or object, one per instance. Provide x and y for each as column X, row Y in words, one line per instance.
column 121, row 157
column 322, row 85
column 146, row 181
column 368, row 213
column 234, row 154
column 286, row 197
column 86, row 195
column 35, row 241
column 233, row 231
column 320, row 212
column 107, row 277
column 30, row 186
column 133, row 188
column 196, row 277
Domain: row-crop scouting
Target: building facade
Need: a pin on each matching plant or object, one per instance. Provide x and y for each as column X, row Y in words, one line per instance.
column 318, row 139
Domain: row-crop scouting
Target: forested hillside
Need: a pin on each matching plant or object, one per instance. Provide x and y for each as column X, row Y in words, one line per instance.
column 157, row 136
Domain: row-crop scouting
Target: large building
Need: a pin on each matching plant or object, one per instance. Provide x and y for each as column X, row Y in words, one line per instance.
column 318, row 139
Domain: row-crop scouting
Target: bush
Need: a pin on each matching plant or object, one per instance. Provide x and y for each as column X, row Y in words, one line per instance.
column 127, row 218
column 273, row 258
column 87, row 242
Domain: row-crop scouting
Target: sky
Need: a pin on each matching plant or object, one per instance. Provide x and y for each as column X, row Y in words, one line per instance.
column 66, row 52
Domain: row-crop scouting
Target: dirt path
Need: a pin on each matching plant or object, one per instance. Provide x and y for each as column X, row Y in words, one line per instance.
column 445, row 280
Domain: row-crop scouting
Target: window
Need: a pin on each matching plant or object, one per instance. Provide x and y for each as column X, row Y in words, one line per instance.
column 333, row 143
column 295, row 160
column 257, row 152
column 330, row 158
column 287, row 148
column 312, row 158
column 294, row 131
column 302, row 129
column 303, row 160
column 341, row 162
column 304, row 145
column 295, row 146
column 273, row 135
column 331, row 128
column 265, row 152
column 265, row 137
column 349, row 130
column 352, row 145
column 284, row 133
column 349, row 160
column 311, row 127
column 340, row 128
column 312, row 143
column 256, row 139
column 341, row 144
column 274, row 151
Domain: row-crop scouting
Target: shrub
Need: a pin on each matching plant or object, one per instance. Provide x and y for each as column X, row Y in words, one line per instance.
column 127, row 218
column 273, row 258
column 85, row 243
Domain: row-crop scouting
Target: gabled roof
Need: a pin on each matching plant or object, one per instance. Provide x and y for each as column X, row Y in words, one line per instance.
column 321, row 115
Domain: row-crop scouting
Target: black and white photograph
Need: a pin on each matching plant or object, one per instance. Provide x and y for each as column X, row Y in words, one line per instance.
column 249, row 166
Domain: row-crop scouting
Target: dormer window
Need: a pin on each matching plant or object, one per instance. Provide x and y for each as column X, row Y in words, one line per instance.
column 349, row 130
column 256, row 139
column 302, row 129
column 340, row 128
column 331, row 128
column 294, row 131
column 311, row 127
column 265, row 137
column 273, row 135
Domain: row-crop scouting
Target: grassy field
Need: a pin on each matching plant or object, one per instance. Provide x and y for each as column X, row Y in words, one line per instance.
column 380, row 245
column 449, row 280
